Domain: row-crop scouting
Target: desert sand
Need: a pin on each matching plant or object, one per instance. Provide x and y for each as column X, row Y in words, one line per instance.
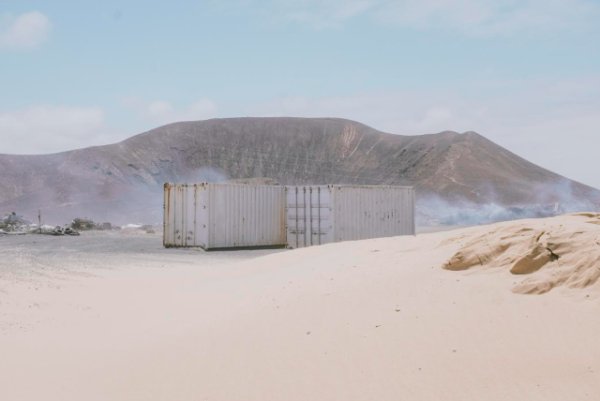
column 509, row 311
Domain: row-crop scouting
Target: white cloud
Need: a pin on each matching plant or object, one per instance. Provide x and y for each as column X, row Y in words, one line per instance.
column 24, row 31
column 163, row 112
column 473, row 17
column 554, row 124
column 46, row 129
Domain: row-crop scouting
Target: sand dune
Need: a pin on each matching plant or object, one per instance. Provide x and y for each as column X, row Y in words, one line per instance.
column 369, row 320
column 568, row 248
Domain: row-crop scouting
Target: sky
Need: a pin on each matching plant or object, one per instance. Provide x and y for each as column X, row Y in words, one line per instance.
column 525, row 74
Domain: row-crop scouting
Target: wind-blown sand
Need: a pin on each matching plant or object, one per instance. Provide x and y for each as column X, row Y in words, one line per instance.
column 115, row 317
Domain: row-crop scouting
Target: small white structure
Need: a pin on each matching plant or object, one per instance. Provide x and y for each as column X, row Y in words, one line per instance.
column 215, row 216
column 331, row 213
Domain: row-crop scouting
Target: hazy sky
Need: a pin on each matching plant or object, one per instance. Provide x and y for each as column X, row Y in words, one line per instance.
column 526, row 73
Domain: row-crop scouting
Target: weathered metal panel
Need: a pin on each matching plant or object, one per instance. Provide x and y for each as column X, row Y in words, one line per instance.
column 245, row 215
column 372, row 211
column 309, row 216
column 322, row 214
column 202, row 216
column 189, row 216
column 224, row 215
column 168, row 216
column 215, row 216
column 179, row 215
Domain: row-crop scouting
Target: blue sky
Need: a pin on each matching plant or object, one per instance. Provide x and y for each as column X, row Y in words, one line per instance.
column 526, row 74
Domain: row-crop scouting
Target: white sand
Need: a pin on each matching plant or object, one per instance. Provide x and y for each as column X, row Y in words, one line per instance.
column 121, row 319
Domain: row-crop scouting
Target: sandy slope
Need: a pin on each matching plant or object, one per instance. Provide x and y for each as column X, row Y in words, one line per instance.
column 370, row 320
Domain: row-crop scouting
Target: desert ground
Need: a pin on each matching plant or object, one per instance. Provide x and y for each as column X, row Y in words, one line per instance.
column 509, row 311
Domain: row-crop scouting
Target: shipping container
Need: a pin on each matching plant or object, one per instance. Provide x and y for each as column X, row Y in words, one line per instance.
column 213, row 216
column 331, row 213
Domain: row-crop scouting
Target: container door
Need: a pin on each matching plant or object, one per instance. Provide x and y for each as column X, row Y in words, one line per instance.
column 179, row 212
column 189, row 216
column 169, row 216
column 202, row 219
column 308, row 215
column 185, row 215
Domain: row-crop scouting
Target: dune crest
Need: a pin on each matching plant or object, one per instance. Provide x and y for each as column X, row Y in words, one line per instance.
column 559, row 251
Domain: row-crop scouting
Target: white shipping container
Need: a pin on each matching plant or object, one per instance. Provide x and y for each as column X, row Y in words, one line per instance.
column 224, row 215
column 331, row 213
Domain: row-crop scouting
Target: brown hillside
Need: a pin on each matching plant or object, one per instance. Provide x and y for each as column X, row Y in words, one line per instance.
column 125, row 179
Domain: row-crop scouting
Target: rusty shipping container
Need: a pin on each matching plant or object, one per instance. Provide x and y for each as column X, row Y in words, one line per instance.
column 331, row 213
column 213, row 216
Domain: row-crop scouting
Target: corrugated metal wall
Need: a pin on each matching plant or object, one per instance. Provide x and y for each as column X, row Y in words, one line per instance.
column 245, row 215
column 322, row 214
column 372, row 211
column 237, row 215
column 224, row 215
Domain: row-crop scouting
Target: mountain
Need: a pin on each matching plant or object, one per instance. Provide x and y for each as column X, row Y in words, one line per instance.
column 452, row 172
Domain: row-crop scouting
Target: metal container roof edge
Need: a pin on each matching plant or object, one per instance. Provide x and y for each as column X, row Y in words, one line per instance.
column 169, row 184
column 204, row 184
column 351, row 186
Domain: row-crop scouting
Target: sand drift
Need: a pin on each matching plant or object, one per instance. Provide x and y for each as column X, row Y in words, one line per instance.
column 113, row 315
column 561, row 251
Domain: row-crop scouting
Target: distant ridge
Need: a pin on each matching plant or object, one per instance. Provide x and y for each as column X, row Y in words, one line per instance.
column 123, row 181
